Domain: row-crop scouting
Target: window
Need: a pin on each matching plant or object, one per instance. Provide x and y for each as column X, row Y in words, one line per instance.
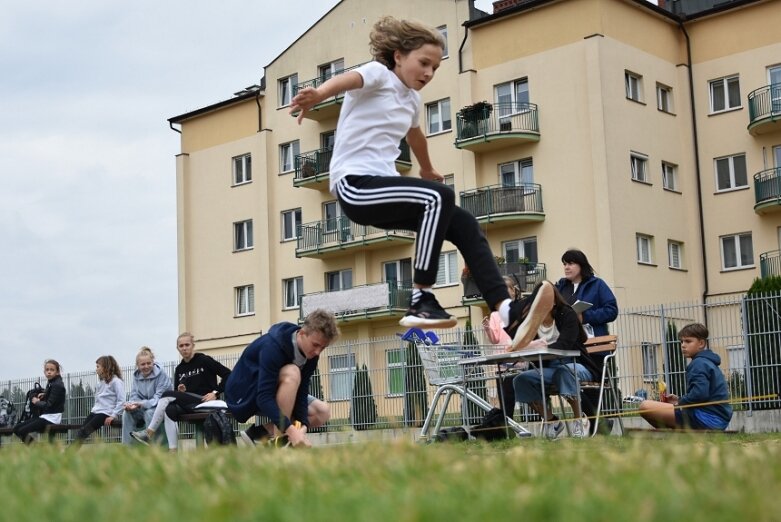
column 446, row 273
column 639, row 164
column 669, row 176
column 242, row 235
column 645, row 249
column 512, row 97
column 736, row 355
column 339, row 280
column 399, row 271
column 664, row 98
column 245, row 300
column 675, row 254
column 331, row 69
column 774, row 78
column 291, row 224
column 650, row 364
column 443, row 31
column 292, row 289
column 737, row 251
column 731, row 172
column 287, row 156
column 724, row 94
column 516, row 174
column 342, row 368
column 286, row 89
column 634, row 86
column 332, row 214
column 450, row 180
column 438, row 116
column 327, row 140
column 518, row 249
column 395, row 361
column 242, row 169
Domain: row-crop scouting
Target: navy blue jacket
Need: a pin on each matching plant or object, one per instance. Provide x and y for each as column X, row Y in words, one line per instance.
column 252, row 385
column 595, row 291
column 706, row 383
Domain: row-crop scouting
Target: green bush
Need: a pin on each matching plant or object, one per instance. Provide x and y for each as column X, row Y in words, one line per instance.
column 763, row 309
column 363, row 408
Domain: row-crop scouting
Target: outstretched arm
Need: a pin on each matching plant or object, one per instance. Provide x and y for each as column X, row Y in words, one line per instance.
column 309, row 96
column 419, row 145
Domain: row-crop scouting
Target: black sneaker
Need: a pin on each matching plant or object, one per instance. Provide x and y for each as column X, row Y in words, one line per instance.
column 427, row 313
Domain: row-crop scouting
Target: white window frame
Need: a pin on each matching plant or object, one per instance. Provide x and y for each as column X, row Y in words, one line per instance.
column 286, row 88
column 522, row 171
column 344, row 277
column 342, row 376
column 518, row 89
column 644, row 249
column 447, row 273
column 650, row 356
column 638, row 164
column 733, row 182
column 291, row 224
column 515, row 250
column 725, row 84
column 395, row 368
column 292, row 290
column 402, row 266
column 331, row 69
column 244, row 300
column 450, row 181
column 633, row 86
column 242, row 169
column 243, row 238
column 436, row 113
column 670, row 176
column 664, row 98
column 675, row 254
column 287, row 156
column 735, row 240
column 443, row 31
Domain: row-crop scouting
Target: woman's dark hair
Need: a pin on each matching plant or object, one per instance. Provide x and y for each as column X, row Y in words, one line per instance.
column 580, row 259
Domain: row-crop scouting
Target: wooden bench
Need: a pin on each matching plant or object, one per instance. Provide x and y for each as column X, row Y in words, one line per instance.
column 51, row 431
column 660, row 432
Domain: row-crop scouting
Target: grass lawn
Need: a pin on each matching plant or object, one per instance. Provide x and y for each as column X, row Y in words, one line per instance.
column 679, row 477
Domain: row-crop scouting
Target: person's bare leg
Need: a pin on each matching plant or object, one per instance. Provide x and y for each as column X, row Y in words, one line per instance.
column 540, row 308
column 319, row 413
column 287, row 388
column 658, row 414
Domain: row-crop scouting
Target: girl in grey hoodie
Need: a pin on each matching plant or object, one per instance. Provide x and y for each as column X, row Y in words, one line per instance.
column 149, row 383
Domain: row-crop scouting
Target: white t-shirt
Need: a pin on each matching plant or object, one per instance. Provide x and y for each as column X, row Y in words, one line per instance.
column 372, row 122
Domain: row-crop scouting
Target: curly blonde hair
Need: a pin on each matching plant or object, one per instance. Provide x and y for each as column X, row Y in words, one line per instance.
column 390, row 35
column 110, row 367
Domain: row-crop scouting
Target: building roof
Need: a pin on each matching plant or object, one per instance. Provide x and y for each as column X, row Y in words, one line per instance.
column 253, row 91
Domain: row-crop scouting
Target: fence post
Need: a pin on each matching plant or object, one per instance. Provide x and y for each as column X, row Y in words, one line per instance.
column 665, row 357
column 747, row 358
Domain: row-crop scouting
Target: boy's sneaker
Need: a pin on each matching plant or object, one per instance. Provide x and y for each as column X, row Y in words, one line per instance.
column 427, row 313
column 553, row 429
column 541, row 305
column 141, row 436
column 579, row 427
column 633, row 399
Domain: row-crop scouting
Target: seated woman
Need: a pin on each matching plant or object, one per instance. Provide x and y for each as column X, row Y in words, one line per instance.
column 48, row 406
column 149, row 383
column 551, row 322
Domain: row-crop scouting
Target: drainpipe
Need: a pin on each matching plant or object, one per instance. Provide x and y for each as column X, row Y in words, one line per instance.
column 697, row 172
column 461, row 50
column 257, row 101
column 171, row 124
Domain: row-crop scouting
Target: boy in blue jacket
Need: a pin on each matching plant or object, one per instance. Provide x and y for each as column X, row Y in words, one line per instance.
column 705, row 385
column 271, row 378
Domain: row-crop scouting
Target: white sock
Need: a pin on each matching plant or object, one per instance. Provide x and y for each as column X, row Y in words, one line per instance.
column 504, row 312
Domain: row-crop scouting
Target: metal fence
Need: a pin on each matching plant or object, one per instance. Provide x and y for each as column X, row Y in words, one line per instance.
column 379, row 383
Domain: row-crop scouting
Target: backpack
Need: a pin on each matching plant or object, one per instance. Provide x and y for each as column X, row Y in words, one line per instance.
column 217, row 427
column 7, row 413
column 493, row 426
column 30, row 411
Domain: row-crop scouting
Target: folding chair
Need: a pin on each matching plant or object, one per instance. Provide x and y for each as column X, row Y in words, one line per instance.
column 607, row 383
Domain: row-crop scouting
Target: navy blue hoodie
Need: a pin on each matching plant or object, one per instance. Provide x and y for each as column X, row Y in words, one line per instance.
column 706, row 383
column 252, row 385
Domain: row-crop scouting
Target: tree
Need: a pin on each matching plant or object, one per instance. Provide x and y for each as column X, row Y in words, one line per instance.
column 316, row 389
column 363, row 409
column 415, row 397
column 676, row 373
column 763, row 321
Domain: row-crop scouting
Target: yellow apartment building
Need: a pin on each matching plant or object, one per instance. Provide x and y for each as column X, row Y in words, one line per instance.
column 614, row 126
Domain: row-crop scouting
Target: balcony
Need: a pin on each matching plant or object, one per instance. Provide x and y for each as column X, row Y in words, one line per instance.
column 331, row 237
column 505, row 205
column 526, row 274
column 484, row 127
column 770, row 264
column 360, row 303
column 404, row 161
column 767, row 191
column 764, row 110
column 326, row 109
column 312, row 169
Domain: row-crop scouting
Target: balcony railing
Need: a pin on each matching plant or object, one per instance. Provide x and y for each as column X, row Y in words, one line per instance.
column 404, row 161
column 492, row 126
column 767, row 190
column 328, row 108
column 388, row 299
column 336, row 234
column 312, row 167
column 770, row 263
column 764, row 109
column 526, row 275
column 505, row 203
